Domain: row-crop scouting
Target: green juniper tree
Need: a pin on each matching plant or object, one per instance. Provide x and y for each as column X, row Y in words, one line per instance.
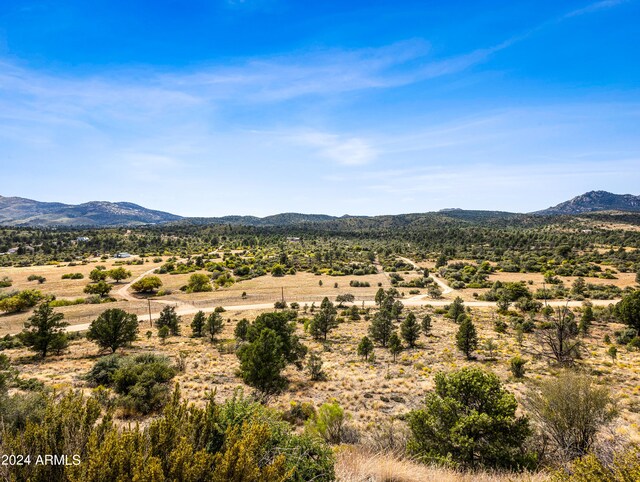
column 467, row 337
column 163, row 333
column 323, row 321
column 44, row 331
column 410, row 330
column 197, row 324
column 262, row 363
column 395, row 345
column 170, row 319
column 271, row 345
column 113, row 329
column 284, row 325
column 470, row 420
column 214, row 325
column 628, row 310
column 455, row 309
column 381, row 328
column 365, row 348
column 380, row 295
column 241, row 329
column 426, row 325
column 586, row 319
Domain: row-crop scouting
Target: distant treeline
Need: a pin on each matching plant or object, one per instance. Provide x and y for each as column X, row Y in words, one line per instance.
column 508, row 239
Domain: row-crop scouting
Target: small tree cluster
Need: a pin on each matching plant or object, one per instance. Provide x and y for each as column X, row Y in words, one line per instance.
column 148, row 284
column 470, row 419
column 44, row 332
column 271, row 345
column 113, row 329
column 324, row 320
column 168, row 321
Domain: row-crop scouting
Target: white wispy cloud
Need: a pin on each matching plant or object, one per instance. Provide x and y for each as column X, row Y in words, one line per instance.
column 131, row 127
column 316, row 72
column 345, row 150
column 594, row 7
column 142, row 93
column 272, row 79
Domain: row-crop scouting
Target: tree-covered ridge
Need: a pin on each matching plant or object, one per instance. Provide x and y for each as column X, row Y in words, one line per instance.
column 570, row 246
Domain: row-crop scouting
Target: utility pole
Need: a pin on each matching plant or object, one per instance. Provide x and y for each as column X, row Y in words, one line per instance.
column 282, row 288
column 150, row 322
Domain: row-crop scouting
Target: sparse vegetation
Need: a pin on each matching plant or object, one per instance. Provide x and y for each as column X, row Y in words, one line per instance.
column 570, row 410
column 373, row 355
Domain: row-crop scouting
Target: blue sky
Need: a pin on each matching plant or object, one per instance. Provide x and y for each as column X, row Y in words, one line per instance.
column 216, row 107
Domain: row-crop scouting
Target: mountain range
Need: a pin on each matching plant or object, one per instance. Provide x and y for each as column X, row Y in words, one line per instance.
column 594, row 201
column 17, row 211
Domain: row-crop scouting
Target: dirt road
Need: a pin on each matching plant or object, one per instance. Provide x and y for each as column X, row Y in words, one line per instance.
column 124, row 292
column 183, row 308
column 190, row 310
column 446, row 289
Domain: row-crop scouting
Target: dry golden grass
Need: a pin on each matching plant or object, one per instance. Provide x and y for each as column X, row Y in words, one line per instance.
column 67, row 289
column 64, row 288
column 622, row 279
column 369, row 392
column 265, row 289
column 299, row 286
column 354, row 465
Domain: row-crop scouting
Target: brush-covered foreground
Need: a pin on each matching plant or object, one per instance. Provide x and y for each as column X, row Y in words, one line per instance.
column 491, row 294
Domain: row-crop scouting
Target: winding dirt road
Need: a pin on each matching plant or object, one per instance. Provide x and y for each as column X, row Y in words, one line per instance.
column 123, row 292
column 183, row 308
column 446, row 289
column 190, row 310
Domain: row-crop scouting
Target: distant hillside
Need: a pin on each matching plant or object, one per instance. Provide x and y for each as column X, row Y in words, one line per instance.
column 477, row 215
column 349, row 223
column 594, row 201
column 283, row 219
column 17, row 211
